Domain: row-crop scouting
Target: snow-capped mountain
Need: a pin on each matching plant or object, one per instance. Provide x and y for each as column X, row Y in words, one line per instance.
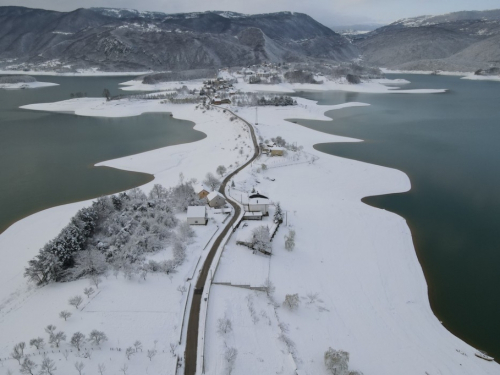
column 122, row 39
column 464, row 41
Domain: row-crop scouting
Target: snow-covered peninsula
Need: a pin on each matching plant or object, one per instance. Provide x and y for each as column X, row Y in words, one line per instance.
column 360, row 286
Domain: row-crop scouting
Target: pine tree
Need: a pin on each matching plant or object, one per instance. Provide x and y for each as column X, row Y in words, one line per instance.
column 278, row 214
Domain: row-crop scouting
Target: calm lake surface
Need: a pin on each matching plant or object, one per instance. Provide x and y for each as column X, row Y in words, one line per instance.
column 448, row 144
column 46, row 159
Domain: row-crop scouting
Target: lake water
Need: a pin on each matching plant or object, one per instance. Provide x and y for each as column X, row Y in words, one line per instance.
column 448, row 145
column 46, row 159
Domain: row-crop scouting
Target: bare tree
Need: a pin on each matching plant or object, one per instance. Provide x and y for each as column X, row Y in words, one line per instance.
column 230, row 357
column 65, row 354
column 224, row 326
column 88, row 291
column 75, row 301
column 50, row 329
column 138, row 346
column 48, row 366
column 337, row 361
column 151, row 354
column 28, row 367
column 221, row 170
column 96, row 337
column 182, row 289
column 64, row 315
column 129, row 352
column 291, row 301
column 17, row 353
column 269, row 287
column 79, row 366
column 313, row 297
column 37, row 343
column 106, row 94
column 124, row 369
column 95, row 280
column 101, row 368
column 77, row 340
column 56, row 338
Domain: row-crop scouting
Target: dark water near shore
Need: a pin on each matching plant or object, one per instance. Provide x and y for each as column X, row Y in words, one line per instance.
column 46, row 159
column 448, row 145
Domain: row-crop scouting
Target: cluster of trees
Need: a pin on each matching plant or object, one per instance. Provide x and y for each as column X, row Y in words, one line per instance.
column 16, row 79
column 181, row 75
column 276, row 101
column 116, row 231
column 300, row 76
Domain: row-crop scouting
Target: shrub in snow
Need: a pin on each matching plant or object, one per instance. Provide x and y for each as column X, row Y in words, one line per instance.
column 291, row 301
column 96, row 337
column 137, row 346
column 290, row 240
column 224, row 326
column 75, row 301
column 64, row 315
column 101, row 368
column 173, row 348
column 77, row 340
column 337, row 361
column 28, row 367
column 124, row 369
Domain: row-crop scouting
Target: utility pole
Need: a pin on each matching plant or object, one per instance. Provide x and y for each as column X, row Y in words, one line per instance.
column 256, row 116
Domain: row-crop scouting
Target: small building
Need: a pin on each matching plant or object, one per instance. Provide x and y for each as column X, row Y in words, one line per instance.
column 201, row 191
column 216, row 199
column 197, row 215
column 276, row 151
column 252, row 216
column 221, row 101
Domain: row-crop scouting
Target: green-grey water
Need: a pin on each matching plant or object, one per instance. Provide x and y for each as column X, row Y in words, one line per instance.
column 448, row 145
column 46, row 159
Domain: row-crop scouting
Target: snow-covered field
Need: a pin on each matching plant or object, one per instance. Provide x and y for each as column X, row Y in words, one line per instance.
column 26, row 85
column 371, row 293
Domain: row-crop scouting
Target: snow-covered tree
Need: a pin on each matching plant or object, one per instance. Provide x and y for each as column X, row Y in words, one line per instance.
column 88, row 291
column 79, row 366
column 230, row 356
column 101, row 368
column 95, row 280
column 64, row 315
column 77, row 340
column 129, row 352
column 290, row 240
column 291, row 301
column 337, row 362
column 211, row 181
column 151, row 353
column 17, row 352
column 57, row 337
column 75, row 301
column 37, row 343
column 224, row 325
column 182, row 289
column 221, row 170
column 88, row 262
column 137, row 346
column 50, row 329
column 47, row 367
column 28, row 367
column 96, row 337
column 124, row 369
column 261, row 240
column 278, row 214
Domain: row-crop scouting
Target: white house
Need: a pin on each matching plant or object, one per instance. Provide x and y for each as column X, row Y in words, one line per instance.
column 257, row 203
column 216, row 199
column 197, row 215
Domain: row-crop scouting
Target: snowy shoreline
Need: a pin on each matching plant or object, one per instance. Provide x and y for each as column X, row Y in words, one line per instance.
column 363, row 260
column 83, row 73
column 26, row 85
column 464, row 75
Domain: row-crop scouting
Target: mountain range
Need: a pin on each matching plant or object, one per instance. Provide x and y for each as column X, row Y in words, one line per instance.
column 460, row 41
column 120, row 39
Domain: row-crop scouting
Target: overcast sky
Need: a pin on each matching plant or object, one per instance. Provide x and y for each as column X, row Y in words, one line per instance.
column 328, row 12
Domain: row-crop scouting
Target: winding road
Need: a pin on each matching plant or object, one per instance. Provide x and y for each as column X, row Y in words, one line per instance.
column 194, row 314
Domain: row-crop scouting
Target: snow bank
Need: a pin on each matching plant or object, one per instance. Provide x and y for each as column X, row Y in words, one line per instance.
column 474, row 77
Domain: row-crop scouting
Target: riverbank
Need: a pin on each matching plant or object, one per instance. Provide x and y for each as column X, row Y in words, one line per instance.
column 26, row 85
column 465, row 75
